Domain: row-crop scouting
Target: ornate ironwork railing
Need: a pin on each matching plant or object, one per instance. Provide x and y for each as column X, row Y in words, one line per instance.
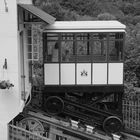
column 17, row 133
column 131, row 114
column 127, row 136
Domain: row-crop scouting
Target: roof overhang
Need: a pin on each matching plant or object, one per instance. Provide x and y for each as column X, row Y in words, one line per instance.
column 36, row 12
column 86, row 26
column 84, row 31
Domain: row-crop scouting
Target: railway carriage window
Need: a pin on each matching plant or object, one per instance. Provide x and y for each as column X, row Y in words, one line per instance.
column 116, row 46
column 83, row 47
column 67, row 48
column 52, row 48
column 60, row 137
column 99, row 47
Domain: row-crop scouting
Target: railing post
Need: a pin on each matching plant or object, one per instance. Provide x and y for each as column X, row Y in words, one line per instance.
column 3, row 131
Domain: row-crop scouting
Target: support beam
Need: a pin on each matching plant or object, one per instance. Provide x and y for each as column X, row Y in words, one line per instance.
column 3, row 131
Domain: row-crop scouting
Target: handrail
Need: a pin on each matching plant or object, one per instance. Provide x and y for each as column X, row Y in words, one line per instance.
column 26, row 131
column 129, row 136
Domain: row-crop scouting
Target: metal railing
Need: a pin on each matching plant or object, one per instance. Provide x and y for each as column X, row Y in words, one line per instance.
column 131, row 114
column 127, row 136
column 17, row 133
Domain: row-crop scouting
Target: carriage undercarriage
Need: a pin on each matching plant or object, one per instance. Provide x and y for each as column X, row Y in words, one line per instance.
column 101, row 110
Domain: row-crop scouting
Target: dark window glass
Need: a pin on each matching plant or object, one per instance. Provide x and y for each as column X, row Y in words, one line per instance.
column 29, row 32
column 83, row 47
column 99, row 36
column 67, row 53
column 115, row 46
column 67, row 36
column 29, row 40
column 52, row 51
column 67, row 47
column 82, row 36
column 51, row 48
column 60, row 137
column 29, row 48
column 52, row 36
column 115, row 50
column 99, row 47
column 29, row 55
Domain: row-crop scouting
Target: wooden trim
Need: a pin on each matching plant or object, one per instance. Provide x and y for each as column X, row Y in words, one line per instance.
column 84, row 88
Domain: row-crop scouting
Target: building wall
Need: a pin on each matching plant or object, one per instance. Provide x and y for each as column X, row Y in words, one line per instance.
column 24, row 1
column 9, row 98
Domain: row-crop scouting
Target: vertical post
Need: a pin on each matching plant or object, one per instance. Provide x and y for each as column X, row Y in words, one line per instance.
column 52, row 135
column 120, row 95
column 107, row 56
column 3, row 131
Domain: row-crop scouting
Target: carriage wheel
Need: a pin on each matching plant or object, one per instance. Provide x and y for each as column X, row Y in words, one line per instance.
column 33, row 125
column 54, row 105
column 112, row 124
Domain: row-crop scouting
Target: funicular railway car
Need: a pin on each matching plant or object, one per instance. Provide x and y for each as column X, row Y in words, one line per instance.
column 83, row 72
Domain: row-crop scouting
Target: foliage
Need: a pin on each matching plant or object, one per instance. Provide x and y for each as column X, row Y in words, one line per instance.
column 55, row 10
column 5, row 84
column 37, row 79
column 127, row 7
column 88, row 7
column 106, row 16
column 61, row 14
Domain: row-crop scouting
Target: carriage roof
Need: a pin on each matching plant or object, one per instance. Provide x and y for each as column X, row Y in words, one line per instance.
column 86, row 26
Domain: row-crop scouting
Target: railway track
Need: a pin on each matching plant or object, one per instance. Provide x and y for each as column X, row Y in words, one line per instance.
column 95, row 135
column 88, row 135
column 66, row 126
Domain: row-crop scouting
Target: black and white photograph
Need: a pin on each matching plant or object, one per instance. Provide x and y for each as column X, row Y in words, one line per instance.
column 69, row 70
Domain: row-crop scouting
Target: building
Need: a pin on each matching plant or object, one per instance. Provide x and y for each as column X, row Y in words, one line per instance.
column 12, row 31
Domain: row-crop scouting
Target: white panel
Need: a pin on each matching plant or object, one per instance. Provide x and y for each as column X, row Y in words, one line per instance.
column 99, row 73
column 115, row 73
column 51, row 74
column 84, row 73
column 67, row 74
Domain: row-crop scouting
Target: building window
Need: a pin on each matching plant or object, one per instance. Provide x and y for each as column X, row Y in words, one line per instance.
column 32, row 43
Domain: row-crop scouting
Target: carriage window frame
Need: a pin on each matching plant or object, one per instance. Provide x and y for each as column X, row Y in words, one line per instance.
column 118, row 37
column 91, row 40
column 85, row 38
column 67, row 55
column 48, row 56
column 101, row 38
